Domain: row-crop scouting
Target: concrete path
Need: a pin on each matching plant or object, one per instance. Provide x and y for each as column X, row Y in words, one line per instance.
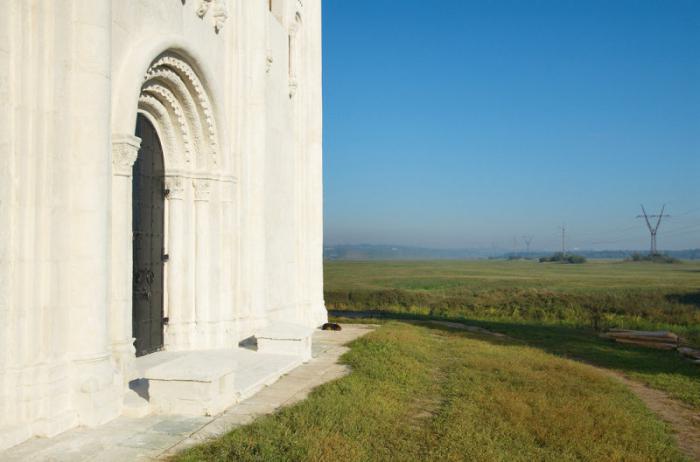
column 154, row 437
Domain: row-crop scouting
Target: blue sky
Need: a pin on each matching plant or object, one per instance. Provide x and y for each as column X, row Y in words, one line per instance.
column 472, row 123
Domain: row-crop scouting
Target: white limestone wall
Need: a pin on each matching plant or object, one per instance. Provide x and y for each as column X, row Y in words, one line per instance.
column 294, row 139
column 56, row 369
column 244, row 234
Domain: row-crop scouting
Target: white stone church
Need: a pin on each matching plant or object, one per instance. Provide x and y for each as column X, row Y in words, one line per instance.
column 160, row 203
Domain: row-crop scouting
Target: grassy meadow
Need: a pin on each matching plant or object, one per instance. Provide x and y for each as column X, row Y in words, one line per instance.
column 432, row 393
column 551, row 306
column 599, row 293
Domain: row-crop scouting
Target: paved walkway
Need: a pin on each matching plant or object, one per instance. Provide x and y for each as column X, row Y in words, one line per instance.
column 154, row 437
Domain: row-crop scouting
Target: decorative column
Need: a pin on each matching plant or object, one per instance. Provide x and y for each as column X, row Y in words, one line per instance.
column 125, row 149
column 178, row 329
column 202, row 194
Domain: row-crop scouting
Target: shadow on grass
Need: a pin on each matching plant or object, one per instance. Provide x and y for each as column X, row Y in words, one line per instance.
column 570, row 342
column 687, row 298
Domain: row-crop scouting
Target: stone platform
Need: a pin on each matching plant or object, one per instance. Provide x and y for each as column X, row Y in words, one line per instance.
column 158, row 435
column 205, row 383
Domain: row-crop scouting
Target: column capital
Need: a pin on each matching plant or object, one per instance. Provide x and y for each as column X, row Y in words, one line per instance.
column 125, row 150
column 202, row 189
column 175, row 186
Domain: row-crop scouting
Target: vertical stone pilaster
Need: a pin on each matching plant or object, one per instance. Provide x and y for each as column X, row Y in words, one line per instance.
column 86, row 249
column 178, row 330
column 202, row 195
column 125, row 150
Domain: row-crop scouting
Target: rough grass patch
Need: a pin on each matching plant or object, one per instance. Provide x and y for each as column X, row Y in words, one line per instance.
column 428, row 393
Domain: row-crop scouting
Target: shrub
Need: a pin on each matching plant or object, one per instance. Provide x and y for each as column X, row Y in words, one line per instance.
column 560, row 257
column 653, row 258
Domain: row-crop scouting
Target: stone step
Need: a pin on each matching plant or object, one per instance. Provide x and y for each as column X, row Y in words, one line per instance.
column 255, row 374
column 205, row 383
column 135, row 405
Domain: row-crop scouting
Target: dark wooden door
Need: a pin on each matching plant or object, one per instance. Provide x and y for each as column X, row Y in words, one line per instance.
column 148, row 221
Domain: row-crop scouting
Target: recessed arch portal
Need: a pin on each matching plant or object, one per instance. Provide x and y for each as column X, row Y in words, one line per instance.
column 175, row 111
column 177, row 103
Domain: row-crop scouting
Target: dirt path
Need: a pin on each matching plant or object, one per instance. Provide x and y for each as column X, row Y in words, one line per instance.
column 684, row 421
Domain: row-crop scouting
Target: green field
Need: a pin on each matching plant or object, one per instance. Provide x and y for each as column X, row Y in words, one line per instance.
column 424, row 392
column 430, row 393
column 550, row 306
column 602, row 293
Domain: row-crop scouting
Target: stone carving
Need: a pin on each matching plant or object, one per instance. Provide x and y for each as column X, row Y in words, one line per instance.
column 203, row 7
column 220, row 15
column 125, row 149
column 268, row 62
column 202, row 189
column 175, row 187
column 219, row 12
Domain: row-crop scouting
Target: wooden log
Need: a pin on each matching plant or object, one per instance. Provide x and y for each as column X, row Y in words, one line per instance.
column 639, row 334
column 649, row 339
column 690, row 353
column 657, row 345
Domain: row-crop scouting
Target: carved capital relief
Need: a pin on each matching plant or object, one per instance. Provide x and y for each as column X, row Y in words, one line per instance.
column 219, row 12
column 125, row 150
column 293, row 86
column 202, row 190
column 175, row 187
column 268, row 61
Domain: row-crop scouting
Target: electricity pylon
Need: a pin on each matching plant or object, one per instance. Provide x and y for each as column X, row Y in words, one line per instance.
column 653, row 228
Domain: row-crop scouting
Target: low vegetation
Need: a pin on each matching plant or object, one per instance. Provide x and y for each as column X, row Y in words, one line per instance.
column 600, row 294
column 561, row 257
column 419, row 393
column 653, row 258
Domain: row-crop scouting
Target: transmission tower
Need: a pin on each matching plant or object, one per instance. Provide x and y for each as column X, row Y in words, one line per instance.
column 528, row 241
column 653, row 228
column 563, row 239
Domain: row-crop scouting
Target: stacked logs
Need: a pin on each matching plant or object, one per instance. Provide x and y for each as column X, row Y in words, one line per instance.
column 661, row 340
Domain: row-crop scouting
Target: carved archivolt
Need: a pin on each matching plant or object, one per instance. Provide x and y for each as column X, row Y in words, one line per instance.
column 176, row 101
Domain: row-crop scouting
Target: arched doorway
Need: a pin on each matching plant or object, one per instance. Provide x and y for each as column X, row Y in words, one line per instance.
column 148, row 209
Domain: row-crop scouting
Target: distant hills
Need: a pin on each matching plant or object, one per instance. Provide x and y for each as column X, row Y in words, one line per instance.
column 397, row 252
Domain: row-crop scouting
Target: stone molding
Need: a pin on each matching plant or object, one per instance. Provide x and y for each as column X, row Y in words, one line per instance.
column 125, row 150
column 202, row 190
column 176, row 187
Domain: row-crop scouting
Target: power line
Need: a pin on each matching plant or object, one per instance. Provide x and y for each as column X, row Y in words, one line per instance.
column 653, row 229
